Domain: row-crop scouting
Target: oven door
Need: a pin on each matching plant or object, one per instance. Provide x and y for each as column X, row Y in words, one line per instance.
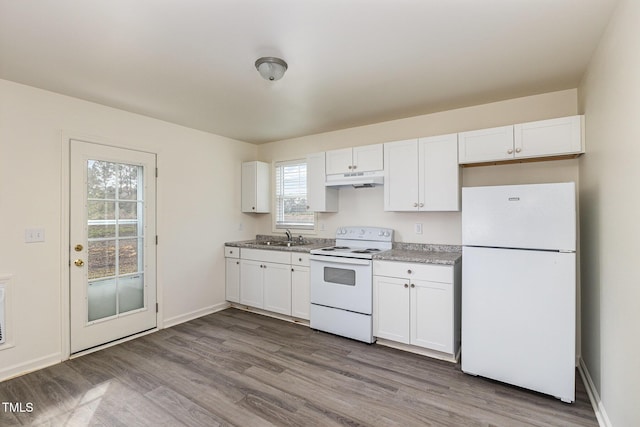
column 340, row 282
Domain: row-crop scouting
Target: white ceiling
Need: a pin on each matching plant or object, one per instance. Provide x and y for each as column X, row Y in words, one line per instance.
column 351, row 62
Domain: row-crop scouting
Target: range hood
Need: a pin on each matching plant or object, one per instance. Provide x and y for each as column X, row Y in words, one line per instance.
column 355, row 179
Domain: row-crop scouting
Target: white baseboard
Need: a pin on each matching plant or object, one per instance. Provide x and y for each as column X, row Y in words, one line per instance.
column 30, row 366
column 594, row 397
column 176, row 320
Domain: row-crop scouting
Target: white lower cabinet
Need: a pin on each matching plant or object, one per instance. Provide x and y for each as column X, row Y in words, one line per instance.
column 417, row 304
column 274, row 281
column 277, row 287
column 232, row 274
column 300, row 300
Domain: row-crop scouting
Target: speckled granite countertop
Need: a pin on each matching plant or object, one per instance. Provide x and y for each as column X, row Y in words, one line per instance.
column 422, row 253
column 403, row 252
column 259, row 243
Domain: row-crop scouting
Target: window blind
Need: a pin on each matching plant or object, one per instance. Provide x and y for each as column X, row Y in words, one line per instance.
column 291, row 196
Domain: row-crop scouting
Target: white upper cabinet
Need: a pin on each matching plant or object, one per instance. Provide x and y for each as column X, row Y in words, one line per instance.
column 422, row 174
column 486, row 145
column 255, row 187
column 439, row 173
column 357, row 159
column 319, row 197
column 549, row 137
column 545, row 138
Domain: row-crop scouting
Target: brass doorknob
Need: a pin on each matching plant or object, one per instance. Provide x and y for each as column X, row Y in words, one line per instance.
column 78, row 248
column 79, row 262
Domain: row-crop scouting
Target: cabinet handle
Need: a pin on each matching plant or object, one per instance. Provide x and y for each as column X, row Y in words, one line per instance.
column 237, row 262
column 230, row 252
column 415, row 205
column 355, row 166
column 518, row 150
column 421, row 204
column 413, row 286
column 253, row 208
column 350, row 167
column 409, row 271
column 406, row 286
column 300, row 259
column 292, row 269
column 510, row 151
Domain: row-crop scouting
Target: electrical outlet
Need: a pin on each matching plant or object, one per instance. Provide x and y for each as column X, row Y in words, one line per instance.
column 418, row 228
column 240, row 227
column 34, row 235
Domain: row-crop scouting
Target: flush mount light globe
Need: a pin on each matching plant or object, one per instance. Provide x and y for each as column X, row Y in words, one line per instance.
column 271, row 68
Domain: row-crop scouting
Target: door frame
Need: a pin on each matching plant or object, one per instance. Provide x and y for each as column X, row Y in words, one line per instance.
column 65, row 253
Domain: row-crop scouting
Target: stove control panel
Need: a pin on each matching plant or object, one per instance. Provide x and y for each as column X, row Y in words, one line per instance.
column 365, row 233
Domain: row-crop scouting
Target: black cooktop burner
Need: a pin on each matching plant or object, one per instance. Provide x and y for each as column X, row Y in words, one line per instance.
column 334, row 248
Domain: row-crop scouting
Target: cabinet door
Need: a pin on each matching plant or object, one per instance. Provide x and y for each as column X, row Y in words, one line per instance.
column 277, row 287
column 232, row 279
column 439, row 180
column 391, row 309
column 549, row 137
column 251, row 292
column 486, row 145
column 339, row 161
column 401, row 176
column 432, row 315
column 300, row 303
column 368, row 158
column 319, row 197
column 255, row 187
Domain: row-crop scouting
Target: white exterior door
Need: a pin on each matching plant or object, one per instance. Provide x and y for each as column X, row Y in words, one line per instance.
column 112, row 244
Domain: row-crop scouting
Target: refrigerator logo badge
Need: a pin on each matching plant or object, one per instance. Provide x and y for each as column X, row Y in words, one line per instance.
column 514, row 199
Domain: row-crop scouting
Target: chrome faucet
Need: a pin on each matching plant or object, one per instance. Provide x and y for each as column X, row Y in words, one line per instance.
column 288, row 233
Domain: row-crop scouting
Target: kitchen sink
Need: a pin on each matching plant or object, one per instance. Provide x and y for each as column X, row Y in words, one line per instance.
column 280, row 243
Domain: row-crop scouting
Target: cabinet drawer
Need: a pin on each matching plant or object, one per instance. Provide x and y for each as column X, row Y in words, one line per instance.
column 231, row 252
column 279, row 257
column 299, row 258
column 430, row 272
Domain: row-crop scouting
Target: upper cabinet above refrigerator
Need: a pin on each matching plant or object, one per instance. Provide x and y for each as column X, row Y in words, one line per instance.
column 545, row 139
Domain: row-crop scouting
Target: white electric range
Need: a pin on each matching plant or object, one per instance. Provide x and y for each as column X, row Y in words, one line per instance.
column 342, row 282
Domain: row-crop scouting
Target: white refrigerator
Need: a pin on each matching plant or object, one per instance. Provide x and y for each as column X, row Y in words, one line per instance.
column 519, row 285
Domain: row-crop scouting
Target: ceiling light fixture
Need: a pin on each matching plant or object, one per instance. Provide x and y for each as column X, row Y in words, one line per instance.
column 271, row 68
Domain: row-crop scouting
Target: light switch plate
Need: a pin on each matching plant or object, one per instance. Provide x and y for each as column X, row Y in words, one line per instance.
column 34, row 235
column 418, row 228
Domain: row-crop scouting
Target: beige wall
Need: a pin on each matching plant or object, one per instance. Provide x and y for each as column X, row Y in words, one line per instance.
column 365, row 206
column 198, row 210
column 609, row 178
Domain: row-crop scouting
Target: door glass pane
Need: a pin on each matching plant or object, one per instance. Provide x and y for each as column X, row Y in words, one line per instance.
column 130, row 258
column 102, row 259
column 102, row 299
column 131, row 293
column 128, row 182
column 115, row 238
column 101, row 179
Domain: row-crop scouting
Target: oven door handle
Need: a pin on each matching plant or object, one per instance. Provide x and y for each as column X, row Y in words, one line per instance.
column 340, row 260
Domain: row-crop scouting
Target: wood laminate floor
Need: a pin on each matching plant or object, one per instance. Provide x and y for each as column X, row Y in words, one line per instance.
column 244, row 369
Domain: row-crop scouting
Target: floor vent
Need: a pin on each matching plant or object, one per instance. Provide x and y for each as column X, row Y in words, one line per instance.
column 3, row 330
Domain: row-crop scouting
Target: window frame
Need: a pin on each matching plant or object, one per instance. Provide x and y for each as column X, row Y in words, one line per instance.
column 312, row 229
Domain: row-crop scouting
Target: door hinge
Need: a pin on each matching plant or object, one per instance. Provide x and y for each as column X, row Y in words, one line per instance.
column 156, row 239
column 157, row 307
column 156, row 172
